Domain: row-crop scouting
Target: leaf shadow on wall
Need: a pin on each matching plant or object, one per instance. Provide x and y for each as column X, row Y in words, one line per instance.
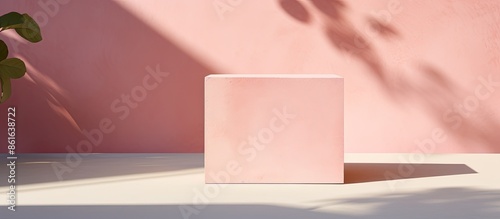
column 424, row 87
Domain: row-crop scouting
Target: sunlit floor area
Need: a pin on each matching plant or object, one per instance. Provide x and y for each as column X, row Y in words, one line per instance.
column 172, row 186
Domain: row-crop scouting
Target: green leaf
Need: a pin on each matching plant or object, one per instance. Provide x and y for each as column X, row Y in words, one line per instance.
column 13, row 68
column 11, row 20
column 5, row 87
column 29, row 29
column 4, row 51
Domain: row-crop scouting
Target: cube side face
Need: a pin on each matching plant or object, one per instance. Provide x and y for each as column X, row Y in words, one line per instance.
column 274, row 130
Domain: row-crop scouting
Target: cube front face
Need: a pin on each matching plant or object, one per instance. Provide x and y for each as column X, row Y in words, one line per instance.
column 274, row 129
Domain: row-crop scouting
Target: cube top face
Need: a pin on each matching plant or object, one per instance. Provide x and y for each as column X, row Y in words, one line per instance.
column 285, row 128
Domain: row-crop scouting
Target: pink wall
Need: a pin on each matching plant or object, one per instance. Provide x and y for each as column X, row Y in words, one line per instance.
column 414, row 70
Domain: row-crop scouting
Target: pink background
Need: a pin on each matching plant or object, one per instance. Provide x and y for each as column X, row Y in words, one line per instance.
column 406, row 64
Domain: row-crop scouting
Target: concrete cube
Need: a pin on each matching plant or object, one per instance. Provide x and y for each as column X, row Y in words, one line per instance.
column 274, row 128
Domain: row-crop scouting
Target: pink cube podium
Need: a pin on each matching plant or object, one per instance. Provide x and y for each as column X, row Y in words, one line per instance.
column 274, row 128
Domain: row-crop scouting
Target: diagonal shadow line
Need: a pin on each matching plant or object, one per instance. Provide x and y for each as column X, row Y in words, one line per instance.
column 435, row 203
column 42, row 168
column 373, row 172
